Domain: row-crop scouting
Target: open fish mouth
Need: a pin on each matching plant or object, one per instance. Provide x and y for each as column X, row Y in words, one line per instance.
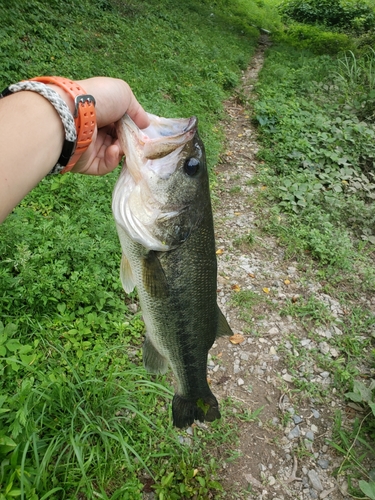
column 160, row 138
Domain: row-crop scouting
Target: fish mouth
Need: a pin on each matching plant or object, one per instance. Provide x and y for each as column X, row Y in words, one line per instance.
column 163, row 136
column 159, row 139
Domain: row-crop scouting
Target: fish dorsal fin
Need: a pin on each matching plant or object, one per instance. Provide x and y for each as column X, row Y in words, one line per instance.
column 223, row 327
column 126, row 275
column 153, row 276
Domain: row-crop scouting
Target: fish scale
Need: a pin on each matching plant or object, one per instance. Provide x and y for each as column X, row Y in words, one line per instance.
column 169, row 255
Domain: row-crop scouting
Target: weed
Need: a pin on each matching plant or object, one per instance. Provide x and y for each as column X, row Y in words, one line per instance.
column 246, row 240
column 311, row 309
column 354, row 443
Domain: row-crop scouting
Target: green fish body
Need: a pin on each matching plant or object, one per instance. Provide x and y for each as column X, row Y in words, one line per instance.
column 161, row 204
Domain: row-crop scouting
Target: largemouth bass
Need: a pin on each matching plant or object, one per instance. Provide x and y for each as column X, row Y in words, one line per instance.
column 162, row 208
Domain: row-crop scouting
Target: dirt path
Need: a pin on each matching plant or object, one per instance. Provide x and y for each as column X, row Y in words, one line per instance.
column 282, row 452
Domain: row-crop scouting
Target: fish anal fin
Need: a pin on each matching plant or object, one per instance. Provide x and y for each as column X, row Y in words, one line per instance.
column 126, row 275
column 186, row 410
column 153, row 275
column 223, row 328
column 153, row 361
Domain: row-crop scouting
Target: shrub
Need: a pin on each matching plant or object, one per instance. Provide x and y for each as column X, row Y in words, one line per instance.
column 317, row 40
column 348, row 15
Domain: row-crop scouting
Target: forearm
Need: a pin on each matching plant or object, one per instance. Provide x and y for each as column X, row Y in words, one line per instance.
column 32, row 135
column 31, row 139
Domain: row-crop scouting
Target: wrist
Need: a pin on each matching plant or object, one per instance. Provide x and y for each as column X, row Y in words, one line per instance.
column 84, row 119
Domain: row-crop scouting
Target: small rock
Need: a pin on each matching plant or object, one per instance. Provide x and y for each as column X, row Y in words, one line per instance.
column 272, row 351
column 325, row 493
column 313, row 494
column 315, row 413
column 271, row 480
column 294, row 433
column 309, row 435
column 273, row 331
column 315, row 480
column 305, row 342
column 314, row 428
column 133, row 308
column 240, row 382
column 287, row 377
column 323, row 464
column 335, row 330
column 297, row 419
column 324, row 347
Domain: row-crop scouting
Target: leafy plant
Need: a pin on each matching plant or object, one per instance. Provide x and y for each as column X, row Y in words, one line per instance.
column 343, row 14
column 354, row 444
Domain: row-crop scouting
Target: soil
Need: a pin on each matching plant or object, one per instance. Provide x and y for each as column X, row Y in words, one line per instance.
column 267, row 460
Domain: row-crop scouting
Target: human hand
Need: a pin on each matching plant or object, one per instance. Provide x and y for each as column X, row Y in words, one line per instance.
column 113, row 99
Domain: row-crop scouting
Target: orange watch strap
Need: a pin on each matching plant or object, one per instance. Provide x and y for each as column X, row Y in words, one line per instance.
column 84, row 114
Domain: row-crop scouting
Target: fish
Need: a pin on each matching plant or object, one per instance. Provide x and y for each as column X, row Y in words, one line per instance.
column 162, row 209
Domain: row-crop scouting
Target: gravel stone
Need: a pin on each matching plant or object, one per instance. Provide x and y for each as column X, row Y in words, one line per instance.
column 323, row 464
column 314, row 480
column 297, row 419
column 309, row 435
column 294, row 433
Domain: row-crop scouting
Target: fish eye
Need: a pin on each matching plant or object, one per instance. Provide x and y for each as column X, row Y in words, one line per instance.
column 191, row 166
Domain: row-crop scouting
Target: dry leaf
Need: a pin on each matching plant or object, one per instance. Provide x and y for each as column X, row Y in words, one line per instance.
column 220, row 354
column 251, row 275
column 237, row 338
column 287, row 282
column 236, row 288
column 266, row 290
column 219, row 251
column 237, row 213
column 239, row 135
column 263, row 188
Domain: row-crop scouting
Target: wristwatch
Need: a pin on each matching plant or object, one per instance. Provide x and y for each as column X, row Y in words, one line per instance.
column 84, row 119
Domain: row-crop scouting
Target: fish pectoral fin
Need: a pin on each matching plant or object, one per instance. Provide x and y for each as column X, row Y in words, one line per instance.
column 223, row 327
column 154, row 279
column 186, row 410
column 153, row 361
column 126, row 275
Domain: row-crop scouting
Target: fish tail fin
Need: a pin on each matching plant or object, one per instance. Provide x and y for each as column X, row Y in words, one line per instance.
column 153, row 361
column 186, row 410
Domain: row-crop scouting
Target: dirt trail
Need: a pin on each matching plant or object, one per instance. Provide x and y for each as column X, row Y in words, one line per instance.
column 283, row 454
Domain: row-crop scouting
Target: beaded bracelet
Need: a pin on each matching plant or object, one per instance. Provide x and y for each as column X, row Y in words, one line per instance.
column 78, row 129
column 62, row 109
